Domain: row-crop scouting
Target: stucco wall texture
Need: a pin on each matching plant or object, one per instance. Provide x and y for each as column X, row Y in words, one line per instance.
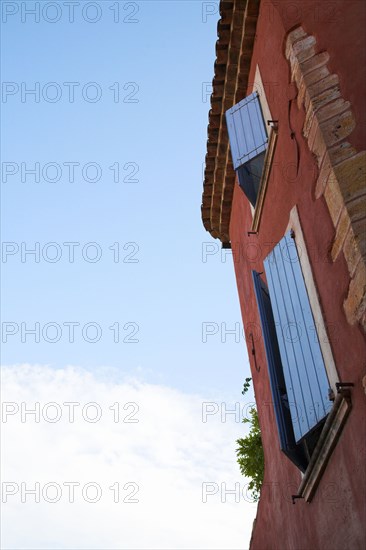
column 336, row 517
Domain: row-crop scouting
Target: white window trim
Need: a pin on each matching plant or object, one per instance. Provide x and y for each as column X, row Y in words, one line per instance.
column 272, row 138
column 342, row 405
column 259, row 88
column 295, row 225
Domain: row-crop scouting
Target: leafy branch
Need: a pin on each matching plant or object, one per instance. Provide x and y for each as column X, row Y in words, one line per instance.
column 246, row 386
column 249, row 453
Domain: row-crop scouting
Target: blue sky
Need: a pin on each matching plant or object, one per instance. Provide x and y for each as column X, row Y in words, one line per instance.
column 169, row 55
column 159, row 288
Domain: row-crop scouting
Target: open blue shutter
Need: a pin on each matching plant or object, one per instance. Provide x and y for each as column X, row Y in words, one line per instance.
column 278, row 388
column 303, row 366
column 247, row 131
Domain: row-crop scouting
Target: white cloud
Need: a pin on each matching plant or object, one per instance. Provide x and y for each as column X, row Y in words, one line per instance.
column 168, row 454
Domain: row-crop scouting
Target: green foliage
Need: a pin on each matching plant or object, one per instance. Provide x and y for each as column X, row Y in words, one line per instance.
column 250, row 455
column 246, row 386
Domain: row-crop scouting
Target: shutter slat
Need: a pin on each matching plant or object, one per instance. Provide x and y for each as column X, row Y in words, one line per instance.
column 303, row 366
column 247, row 131
column 278, row 388
column 317, row 384
column 288, row 353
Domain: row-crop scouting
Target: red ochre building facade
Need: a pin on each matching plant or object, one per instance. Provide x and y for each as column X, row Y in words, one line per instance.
column 293, row 212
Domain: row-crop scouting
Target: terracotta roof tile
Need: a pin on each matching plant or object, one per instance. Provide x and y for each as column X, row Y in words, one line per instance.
column 236, row 32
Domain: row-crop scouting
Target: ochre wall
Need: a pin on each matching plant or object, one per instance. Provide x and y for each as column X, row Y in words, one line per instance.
column 335, row 519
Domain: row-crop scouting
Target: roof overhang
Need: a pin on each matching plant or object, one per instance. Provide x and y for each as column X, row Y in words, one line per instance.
column 234, row 47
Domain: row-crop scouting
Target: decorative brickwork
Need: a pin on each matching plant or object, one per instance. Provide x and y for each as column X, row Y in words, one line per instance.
column 342, row 169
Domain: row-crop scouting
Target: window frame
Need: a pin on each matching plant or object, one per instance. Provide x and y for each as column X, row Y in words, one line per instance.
column 271, row 129
column 335, row 421
column 263, row 185
column 302, row 362
column 272, row 132
column 324, row 340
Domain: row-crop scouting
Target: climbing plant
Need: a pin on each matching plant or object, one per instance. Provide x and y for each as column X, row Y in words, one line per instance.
column 246, row 386
column 249, row 453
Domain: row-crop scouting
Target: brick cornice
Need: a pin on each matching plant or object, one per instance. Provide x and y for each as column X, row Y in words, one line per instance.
column 234, row 47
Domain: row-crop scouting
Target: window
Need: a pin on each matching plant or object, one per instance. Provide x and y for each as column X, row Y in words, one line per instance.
column 252, row 148
column 298, row 378
column 248, row 142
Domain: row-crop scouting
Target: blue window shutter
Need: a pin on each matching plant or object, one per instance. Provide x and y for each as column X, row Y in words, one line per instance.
column 247, row 131
column 303, row 366
column 278, row 388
